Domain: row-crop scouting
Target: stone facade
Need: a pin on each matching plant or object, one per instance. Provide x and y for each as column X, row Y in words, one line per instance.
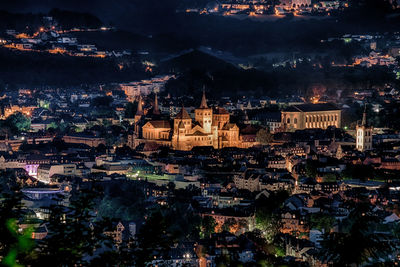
column 308, row 116
column 210, row 127
column 363, row 135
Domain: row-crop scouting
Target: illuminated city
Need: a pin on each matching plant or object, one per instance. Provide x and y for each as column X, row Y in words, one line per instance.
column 200, row 133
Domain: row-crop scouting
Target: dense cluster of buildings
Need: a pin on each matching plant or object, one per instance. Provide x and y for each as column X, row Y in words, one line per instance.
column 262, row 7
column 382, row 49
column 51, row 39
column 211, row 128
column 218, row 148
column 223, row 160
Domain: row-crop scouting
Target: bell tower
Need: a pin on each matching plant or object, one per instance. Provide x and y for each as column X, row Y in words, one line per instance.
column 138, row 117
column 139, row 112
column 203, row 114
column 156, row 110
column 364, row 134
column 182, row 121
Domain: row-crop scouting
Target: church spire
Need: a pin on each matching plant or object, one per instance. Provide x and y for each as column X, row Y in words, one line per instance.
column 364, row 119
column 140, row 106
column 204, row 100
column 156, row 111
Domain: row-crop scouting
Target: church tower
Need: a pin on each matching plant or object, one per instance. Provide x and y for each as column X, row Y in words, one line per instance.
column 203, row 114
column 364, row 134
column 156, row 110
column 182, row 121
column 182, row 126
column 138, row 116
column 139, row 112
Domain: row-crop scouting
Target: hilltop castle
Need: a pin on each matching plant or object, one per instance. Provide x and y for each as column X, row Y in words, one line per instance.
column 211, row 127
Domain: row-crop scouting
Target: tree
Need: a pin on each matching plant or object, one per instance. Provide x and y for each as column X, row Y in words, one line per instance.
column 208, row 224
column 329, row 177
column 229, row 225
column 130, row 110
column 267, row 223
column 361, row 172
column 359, row 244
column 10, row 210
column 18, row 122
column 153, row 239
column 14, row 245
column 322, row 221
column 74, row 234
column 311, row 168
column 267, row 218
column 5, row 130
column 264, row 137
column 102, row 101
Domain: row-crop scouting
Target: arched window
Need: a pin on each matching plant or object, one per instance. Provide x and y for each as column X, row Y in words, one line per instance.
column 295, row 120
column 288, row 120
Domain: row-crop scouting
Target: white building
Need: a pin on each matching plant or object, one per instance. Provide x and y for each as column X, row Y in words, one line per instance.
column 144, row 87
column 364, row 135
column 67, row 40
column 45, row 172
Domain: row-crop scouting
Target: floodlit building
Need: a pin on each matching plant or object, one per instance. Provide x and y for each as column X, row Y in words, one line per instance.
column 46, row 171
column 308, row 116
column 364, row 135
column 211, row 127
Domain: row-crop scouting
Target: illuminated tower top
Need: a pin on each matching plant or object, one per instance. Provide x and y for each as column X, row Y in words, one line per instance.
column 140, row 107
column 203, row 100
column 156, row 111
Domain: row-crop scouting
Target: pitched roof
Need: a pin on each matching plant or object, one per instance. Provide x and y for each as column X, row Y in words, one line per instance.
column 203, row 101
column 219, row 110
column 156, row 110
column 312, row 107
column 249, row 129
column 160, row 124
column 229, row 126
column 183, row 115
column 198, row 133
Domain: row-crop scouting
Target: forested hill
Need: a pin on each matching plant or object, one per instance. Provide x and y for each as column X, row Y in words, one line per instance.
column 197, row 69
column 195, row 60
column 37, row 69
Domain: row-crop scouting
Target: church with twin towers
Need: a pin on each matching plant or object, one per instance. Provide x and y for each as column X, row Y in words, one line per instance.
column 210, row 127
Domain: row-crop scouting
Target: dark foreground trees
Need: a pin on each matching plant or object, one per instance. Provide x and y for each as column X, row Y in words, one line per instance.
column 79, row 235
column 358, row 244
column 74, row 236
